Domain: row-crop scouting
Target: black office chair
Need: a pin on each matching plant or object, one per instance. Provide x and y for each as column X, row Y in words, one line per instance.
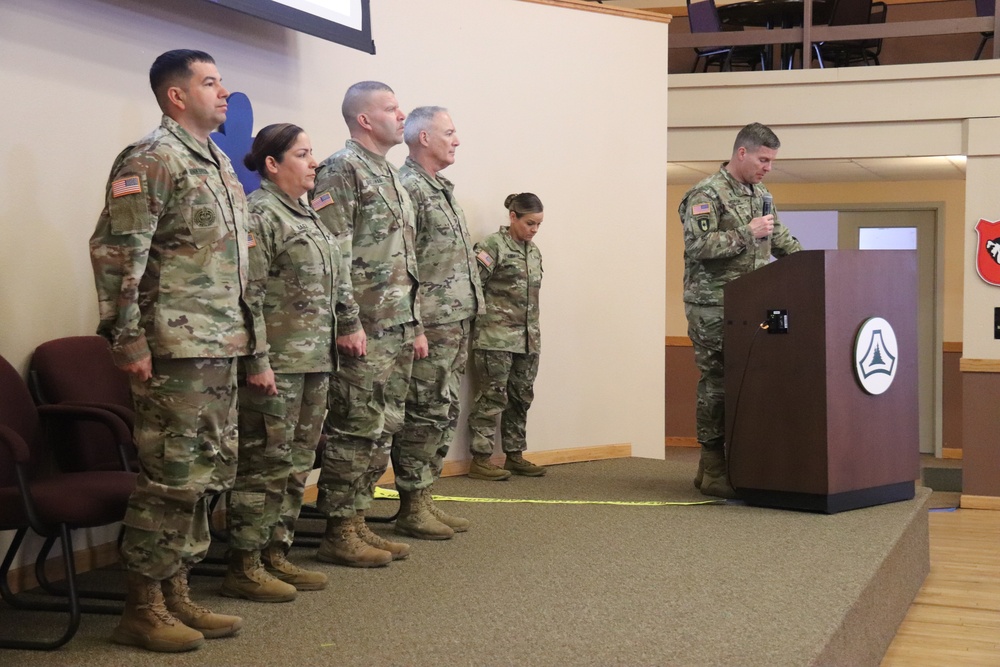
column 984, row 8
column 703, row 17
column 35, row 495
column 867, row 50
column 842, row 53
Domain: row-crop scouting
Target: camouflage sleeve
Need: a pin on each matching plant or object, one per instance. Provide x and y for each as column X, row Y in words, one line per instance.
column 702, row 237
column 337, row 209
column 782, row 241
column 262, row 249
column 139, row 187
column 486, row 258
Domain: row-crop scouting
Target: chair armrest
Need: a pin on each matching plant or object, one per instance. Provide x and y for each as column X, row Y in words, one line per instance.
column 120, row 431
column 14, row 444
column 127, row 415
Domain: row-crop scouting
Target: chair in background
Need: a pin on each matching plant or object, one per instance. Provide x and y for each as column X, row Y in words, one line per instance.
column 703, row 17
column 35, row 496
column 842, row 53
column 79, row 370
column 984, row 8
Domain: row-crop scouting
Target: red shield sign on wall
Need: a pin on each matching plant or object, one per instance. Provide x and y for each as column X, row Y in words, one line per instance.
column 988, row 251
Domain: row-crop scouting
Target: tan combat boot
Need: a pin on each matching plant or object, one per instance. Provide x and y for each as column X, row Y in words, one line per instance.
column 519, row 465
column 341, row 545
column 246, row 578
column 483, row 468
column 146, row 622
column 715, row 480
column 698, row 476
column 416, row 520
column 278, row 566
column 177, row 597
column 456, row 523
column 399, row 550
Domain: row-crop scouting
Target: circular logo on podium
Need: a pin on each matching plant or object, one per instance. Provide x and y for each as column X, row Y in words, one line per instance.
column 875, row 355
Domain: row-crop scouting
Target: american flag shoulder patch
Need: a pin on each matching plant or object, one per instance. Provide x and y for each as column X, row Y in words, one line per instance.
column 251, row 240
column 484, row 258
column 129, row 185
column 319, row 202
column 700, row 209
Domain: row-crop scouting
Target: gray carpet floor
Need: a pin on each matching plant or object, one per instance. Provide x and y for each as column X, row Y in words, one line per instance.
column 558, row 584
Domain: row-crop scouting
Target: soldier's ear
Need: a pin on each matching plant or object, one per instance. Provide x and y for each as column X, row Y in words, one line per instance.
column 271, row 165
column 176, row 96
column 364, row 122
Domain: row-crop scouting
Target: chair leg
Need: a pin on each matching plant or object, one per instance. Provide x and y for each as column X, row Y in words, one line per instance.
column 819, row 55
column 61, row 591
column 16, row 601
column 982, row 45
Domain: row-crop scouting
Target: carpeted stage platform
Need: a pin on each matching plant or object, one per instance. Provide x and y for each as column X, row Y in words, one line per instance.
column 579, row 584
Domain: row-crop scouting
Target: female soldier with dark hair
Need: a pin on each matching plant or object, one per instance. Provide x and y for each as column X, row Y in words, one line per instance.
column 506, row 341
column 296, row 270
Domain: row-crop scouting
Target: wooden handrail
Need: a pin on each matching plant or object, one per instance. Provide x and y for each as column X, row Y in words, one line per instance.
column 825, row 33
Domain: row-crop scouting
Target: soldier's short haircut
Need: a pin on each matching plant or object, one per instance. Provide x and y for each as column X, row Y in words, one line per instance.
column 358, row 97
column 755, row 135
column 271, row 141
column 523, row 203
column 417, row 121
column 173, row 68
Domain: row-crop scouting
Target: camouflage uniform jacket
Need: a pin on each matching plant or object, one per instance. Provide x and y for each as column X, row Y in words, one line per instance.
column 359, row 197
column 718, row 244
column 450, row 290
column 170, row 252
column 297, row 277
column 511, row 272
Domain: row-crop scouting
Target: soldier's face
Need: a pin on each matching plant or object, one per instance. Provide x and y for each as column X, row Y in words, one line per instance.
column 295, row 175
column 754, row 165
column 204, row 97
column 385, row 120
column 525, row 227
column 441, row 140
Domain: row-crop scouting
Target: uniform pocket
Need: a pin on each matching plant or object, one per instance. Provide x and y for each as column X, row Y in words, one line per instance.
column 205, row 224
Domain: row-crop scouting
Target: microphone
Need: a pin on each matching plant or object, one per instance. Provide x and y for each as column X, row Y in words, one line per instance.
column 767, row 209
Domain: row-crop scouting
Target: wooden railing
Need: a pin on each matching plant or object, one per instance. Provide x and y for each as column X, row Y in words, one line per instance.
column 809, row 34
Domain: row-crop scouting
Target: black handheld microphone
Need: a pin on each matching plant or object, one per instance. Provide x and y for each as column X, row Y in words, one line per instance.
column 767, row 209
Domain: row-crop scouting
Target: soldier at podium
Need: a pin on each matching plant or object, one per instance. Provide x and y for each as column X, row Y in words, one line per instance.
column 730, row 229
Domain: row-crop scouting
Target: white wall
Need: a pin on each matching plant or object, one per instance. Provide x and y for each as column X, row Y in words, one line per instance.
column 570, row 105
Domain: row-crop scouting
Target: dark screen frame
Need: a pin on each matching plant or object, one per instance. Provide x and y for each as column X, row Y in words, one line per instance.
column 307, row 23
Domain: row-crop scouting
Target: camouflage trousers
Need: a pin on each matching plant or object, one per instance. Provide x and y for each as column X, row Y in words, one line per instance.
column 366, row 404
column 185, row 433
column 505, row 388
column 432, row 407
column 705, row 332
column 278, row 438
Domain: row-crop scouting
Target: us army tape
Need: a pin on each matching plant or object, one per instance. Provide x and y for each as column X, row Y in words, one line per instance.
column 390, row 494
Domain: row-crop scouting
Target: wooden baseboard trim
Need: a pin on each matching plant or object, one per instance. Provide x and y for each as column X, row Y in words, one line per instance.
column 954, row 453
column 681, row 442
column 979, row 365
column 980, row 502
column 459, row 467
column 101, row 555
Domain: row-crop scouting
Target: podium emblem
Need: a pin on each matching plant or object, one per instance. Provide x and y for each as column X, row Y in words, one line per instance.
column 875, row 355
column 988, row 251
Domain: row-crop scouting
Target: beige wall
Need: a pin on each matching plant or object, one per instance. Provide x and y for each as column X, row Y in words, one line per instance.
column 534, row 90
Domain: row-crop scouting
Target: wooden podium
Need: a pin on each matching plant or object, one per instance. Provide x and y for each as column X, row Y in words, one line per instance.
column 801, row 430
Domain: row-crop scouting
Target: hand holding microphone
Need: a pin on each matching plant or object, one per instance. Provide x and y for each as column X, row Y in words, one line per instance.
column 762, row 226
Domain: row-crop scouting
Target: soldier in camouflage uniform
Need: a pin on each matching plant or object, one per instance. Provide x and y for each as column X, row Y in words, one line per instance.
column 297, row 278
column 725, row 237
column 506, row 341
column 359, row 197
column 450, row 296
column 170, row 265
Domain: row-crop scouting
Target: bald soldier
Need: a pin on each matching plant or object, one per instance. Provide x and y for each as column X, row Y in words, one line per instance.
column 727, row 234
column 170, row 264
column 360, row 198
column 450, row 296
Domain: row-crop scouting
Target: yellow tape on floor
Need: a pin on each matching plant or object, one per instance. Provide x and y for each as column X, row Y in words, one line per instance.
column 390, row 494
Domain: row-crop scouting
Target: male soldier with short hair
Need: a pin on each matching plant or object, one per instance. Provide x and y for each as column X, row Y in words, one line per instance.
column 360, row 198
column 170, row 265
column 450, row 296
column 726, row 235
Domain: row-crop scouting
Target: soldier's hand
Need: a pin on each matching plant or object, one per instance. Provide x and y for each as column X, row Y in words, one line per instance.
column 353, row 345
column 762, row 227
column 420, row 347
column 263, row 383
column 142, row 369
